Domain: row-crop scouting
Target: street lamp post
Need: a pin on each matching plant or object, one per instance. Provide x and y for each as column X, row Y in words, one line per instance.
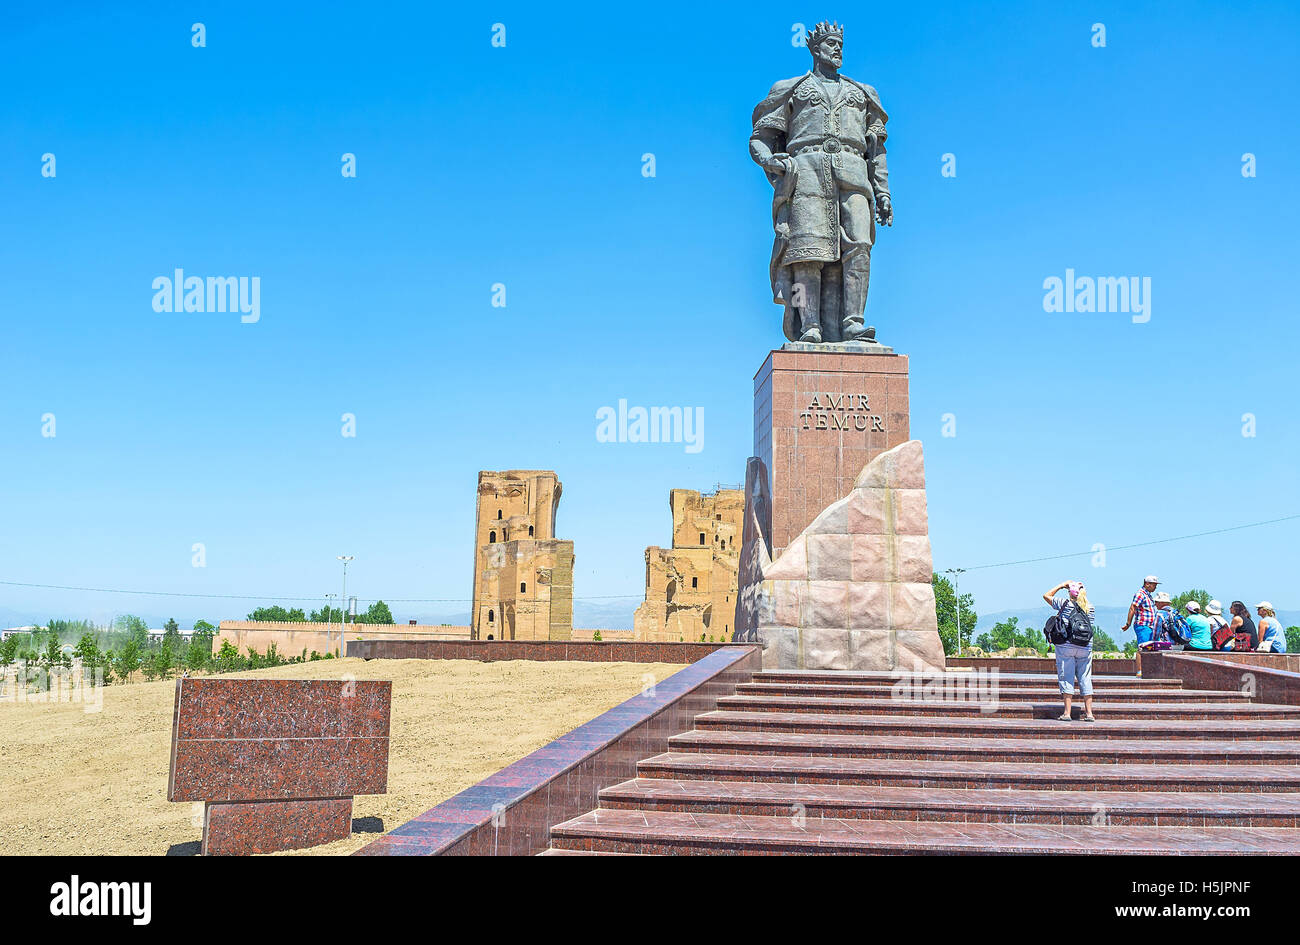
column 343, row 601
column 956, row 590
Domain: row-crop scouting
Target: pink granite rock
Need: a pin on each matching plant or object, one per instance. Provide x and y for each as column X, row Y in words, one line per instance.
column 867, row 511
column 871, row 558
column 910, row 517
column 787, row 602
column 912, row 560
column 830, row 557
column 869, row 650
column 853, row 590
column 792, row 565
column 826, row 605
column 869, row 605
column 911, row 607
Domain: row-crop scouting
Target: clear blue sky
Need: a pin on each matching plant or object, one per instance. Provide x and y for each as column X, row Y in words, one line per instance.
column 522, row 165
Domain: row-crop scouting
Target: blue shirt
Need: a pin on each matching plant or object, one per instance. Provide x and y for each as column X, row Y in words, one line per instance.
column 1201, row 636
column 1270, row 630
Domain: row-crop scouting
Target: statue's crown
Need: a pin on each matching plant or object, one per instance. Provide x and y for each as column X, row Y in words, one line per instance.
column 823, row 30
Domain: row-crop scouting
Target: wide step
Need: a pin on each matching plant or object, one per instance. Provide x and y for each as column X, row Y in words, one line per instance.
column 1042, row 693
column 1097, row 808
column 1047, row 709
column 841, row 678
column 1172, row 729
column 634, row 831
column 1086, row 750
column 1058, row 776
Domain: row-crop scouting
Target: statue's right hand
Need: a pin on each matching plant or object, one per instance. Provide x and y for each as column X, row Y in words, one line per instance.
column 778, row 163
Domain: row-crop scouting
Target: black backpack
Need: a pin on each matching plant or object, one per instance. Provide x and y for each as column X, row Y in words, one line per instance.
column 1070, row 625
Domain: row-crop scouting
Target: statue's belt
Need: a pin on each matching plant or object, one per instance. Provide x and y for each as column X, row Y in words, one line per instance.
column 833, row 146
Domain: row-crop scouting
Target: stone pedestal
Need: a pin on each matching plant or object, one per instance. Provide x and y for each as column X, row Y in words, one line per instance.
column 820, row 416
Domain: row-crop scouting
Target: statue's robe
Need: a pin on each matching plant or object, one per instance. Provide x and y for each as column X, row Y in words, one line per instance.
column 838, row 148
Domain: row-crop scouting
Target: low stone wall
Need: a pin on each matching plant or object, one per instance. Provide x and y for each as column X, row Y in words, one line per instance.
column 1264, row 683
column 1040, row 664
column 1290, row 662
column 488, row 651
column 586, row 636
column 512, row 812
column 291, row 638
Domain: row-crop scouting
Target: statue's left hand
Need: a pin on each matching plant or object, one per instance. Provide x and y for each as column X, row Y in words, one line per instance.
column 884, row 211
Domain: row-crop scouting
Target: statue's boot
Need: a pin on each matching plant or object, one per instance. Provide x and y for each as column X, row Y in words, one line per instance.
column 857, row 273
column 808, row 290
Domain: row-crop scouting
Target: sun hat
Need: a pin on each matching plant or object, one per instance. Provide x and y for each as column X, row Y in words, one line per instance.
column 1151, row 579
column 1192, row 607
column 1214, row 608
column 1161, row 597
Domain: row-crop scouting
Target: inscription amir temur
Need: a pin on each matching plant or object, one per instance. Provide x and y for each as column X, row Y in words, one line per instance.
column 841, row 412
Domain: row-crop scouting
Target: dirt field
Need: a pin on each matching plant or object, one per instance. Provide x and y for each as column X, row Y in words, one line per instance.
column 73, row 782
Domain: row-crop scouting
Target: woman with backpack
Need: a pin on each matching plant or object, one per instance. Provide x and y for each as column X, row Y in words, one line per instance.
column 1072, row 637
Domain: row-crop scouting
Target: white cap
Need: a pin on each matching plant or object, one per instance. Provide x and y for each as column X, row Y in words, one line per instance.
column 1192, row 607
column 1263, row 605
column 1214, row 608
column 1151, row 579
column 1161, row 597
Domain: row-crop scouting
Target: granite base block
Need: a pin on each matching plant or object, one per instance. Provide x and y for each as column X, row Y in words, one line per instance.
column 242, row 828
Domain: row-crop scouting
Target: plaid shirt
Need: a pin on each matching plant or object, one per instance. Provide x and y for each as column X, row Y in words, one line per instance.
column 1145, row 613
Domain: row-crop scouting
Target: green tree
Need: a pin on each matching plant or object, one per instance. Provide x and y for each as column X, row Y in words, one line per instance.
column 1196, row 594
column 136, row 630
column 9, row 650
column 1008, row 634
column 377, row 612
column 54, row 655
column 945, row 608
column 172, row 635
column 279, row 614
column 1102, row 642
column 327, row 614
column 1293, row 639
column 164, row 660
column 127, row 660
column 87, row 650
column 198, row 653
column 1003, row 634
column 228, row 659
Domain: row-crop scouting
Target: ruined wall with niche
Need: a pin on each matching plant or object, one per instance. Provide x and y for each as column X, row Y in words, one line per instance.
column 691, row 586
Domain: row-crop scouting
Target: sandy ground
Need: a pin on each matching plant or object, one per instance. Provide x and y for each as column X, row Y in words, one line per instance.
column 73, row 782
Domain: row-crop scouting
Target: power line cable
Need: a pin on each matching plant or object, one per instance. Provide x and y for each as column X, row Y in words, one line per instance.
column 1136, row 544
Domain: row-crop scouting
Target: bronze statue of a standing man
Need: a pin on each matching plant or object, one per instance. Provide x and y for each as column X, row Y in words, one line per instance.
column 820, row 137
